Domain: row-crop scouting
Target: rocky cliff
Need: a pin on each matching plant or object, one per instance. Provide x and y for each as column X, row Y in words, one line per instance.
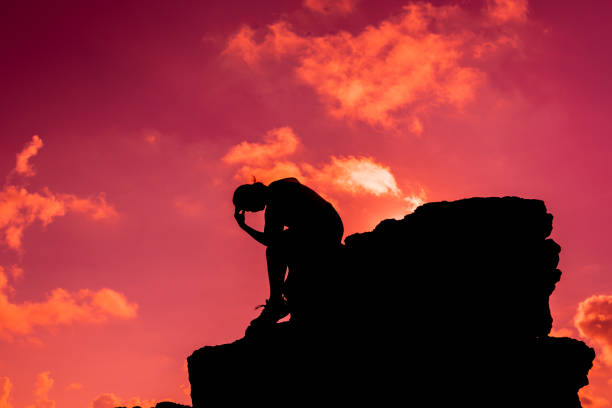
column 446, row 307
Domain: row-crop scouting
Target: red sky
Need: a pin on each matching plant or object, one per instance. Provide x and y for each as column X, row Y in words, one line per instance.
column 126, row 127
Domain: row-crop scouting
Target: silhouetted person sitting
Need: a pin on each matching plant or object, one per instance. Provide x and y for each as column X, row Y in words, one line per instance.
column 299, row 223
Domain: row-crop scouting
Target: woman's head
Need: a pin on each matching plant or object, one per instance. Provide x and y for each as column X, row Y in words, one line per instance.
column 251, row 197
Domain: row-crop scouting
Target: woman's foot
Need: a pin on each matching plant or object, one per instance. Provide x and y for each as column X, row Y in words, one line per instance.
column 272, row 312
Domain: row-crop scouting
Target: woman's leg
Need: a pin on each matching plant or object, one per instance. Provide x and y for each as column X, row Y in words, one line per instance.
column 277, row 268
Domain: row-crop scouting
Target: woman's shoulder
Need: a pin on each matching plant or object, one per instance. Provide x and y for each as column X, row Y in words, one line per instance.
column 284, row 181
column 284, row 184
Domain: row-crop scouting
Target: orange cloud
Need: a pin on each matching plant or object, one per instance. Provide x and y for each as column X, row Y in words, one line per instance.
column 243, row 44
column 74, row 387
column 355, row 175
column 44, row 383
column 19, row 208
column 277, row 143
column 31, row 149
column 61, row 308
column 594, row 321
column 110, row 400
column 330, row 6
column 16, row 272
column 508, row 10
column 590, row 399
column 415, row 200
column 5, row 392
column 388, row 73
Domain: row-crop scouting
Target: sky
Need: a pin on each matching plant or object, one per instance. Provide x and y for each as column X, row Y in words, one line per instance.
column 126, row 125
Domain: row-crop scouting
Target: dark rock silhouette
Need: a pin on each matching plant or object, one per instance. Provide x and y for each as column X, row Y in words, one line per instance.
column 164, row 404
column 447, row 307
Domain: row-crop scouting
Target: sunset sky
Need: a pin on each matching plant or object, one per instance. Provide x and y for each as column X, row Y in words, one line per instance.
column 125, row 128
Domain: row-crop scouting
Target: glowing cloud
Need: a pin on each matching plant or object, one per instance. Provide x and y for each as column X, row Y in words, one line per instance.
column 355, row 175
column 110, row 400
column 23, row 167
column 19, row 208
column 415, row 200
column 74, row 387
column 44, row 383
column 277, row 143
column 411, row 62
column 594, row 321
column 590, row 399
column 61, row 308
column 243, row 44
column 5, row 392
column 508, row 10
column 352, row 175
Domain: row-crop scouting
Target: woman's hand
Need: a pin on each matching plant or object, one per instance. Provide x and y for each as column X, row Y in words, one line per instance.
column 239, row 216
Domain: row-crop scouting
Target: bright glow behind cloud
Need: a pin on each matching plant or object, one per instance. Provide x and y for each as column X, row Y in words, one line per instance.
column 355, row 175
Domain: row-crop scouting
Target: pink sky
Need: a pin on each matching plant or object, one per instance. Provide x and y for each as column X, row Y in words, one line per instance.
column 126, row 127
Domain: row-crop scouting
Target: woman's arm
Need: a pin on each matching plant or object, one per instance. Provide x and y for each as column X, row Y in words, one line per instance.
column 257, row 235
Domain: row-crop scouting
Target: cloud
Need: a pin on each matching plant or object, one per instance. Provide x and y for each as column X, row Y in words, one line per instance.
column 590, row 399
column 415, row 200
column 243, row 45
column 354, row 175
column 186, row 388
column 267, row 162
column 74, row 387
column 16, row 272
column 110, row 400
column 399, row 69
column 5, row 392
column 61, row 308
column 44, row 383
column 507, row 10
column 594, row 322
column 19, row 208
column 23, row 167
column 277, row 143
column 330, row 6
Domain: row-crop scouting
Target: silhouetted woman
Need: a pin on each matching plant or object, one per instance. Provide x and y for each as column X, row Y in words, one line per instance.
column 298, row 222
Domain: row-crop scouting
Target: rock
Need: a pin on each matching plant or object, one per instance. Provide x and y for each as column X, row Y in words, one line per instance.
column 446, row 307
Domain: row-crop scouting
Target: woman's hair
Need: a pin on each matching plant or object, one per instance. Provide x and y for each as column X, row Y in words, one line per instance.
column 248, row 194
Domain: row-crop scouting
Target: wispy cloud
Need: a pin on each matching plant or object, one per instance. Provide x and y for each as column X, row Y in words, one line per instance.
column 23, row 166
column 61, row 308
column 110, row 400
column 44, row 383
column 395, row 71
column 277, row 143
column 352, row 175
column 5, row 392
column 508, row 10
column 19, row 208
